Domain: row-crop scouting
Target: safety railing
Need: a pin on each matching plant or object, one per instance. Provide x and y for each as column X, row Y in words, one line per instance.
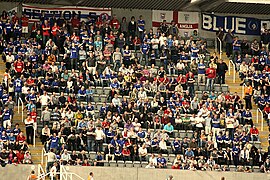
column 65, row 175
column 20, row 103
column 43, row 176
column 261, row 113
column 243, row 90
column 43, row 152
column 232, row 65
column 220, row 47
column 34, row 140
column 41, row 173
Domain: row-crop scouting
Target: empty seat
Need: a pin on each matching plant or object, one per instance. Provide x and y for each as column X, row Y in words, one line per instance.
column 175, row 133
column 99, row 90
column 106, row 90
column 224, row 87
column 144, row 164
column 169, row 165
column 201, row 87
column 106, row 164
column 113, row 164
column 217, row 88
column 103, row 98
column 182, row 134
column 121, row 164
column 189, row 134
column 137, row 164
column 92, row 155
column 96, row 98
column 129, row 164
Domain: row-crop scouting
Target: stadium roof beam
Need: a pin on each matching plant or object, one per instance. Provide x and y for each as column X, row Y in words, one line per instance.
column 250, row 1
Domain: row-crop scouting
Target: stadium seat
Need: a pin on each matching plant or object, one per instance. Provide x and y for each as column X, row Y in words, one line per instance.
column 137, row 164
column 121, row 164
column 113, row 164
column 129, row 164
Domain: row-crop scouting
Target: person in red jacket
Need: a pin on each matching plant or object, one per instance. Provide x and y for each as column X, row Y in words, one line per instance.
column 25, row 23
column 75, row 22
column 211, row 75
column 254, row 133
column 21, row 138
column 55, row 32
column 45, row 32
column 126, row 154
column 20, row 156
column 19, row 66
column 176, row 166
column 115, row 23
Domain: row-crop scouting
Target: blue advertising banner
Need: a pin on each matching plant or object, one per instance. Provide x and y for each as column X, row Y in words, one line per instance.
column 238, row 25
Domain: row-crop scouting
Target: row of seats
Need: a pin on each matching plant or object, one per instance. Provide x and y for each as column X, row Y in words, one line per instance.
column 138, row 164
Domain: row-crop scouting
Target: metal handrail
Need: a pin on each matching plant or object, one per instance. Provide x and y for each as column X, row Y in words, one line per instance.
column 64, row 174
column 41, row 173
column 220, row 47
column 34, row 141
column 20, row 102
column 260, row 111
column 42, row 156
column 234, row 71
column 243, row 90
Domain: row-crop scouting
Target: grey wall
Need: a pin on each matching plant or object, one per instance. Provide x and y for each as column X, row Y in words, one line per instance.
column 117, row 173
column 19, row 172
column 7, row 6
column 128, row 13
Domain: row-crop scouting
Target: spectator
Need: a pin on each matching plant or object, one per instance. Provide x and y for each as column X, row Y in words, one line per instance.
column 254, row 133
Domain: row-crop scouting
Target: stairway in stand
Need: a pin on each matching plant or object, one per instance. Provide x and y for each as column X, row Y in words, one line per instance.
column 35, row 151
column 235, row 87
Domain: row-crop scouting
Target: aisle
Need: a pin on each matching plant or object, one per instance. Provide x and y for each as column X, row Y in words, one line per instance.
column 235, row 87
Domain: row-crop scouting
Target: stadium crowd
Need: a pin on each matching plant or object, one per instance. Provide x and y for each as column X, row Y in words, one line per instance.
column 115, row 91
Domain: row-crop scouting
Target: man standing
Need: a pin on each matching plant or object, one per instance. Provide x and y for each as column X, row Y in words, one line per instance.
column 220, row 35
column 141, row 24
column 236, row 48
column 222, row 68
column 51, row 157
column 25, row 22
column 229, row 41
column 53, row 171
column 211, row 75
column 99, row 139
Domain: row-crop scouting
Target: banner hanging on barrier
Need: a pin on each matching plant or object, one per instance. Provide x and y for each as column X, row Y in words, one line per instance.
column 187, row 22
column 238, row 25
column 34, row 12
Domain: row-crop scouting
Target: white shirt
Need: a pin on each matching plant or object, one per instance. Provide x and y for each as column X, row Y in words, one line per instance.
column 162, row 145
column 99, row 134
column 44, row 99
column 116, row 101
column 155, row 43
column 51, row 156
column 10, row 58
column 53, row 171
column 162, row 39
column 69, row 84
column 199, row 121
column 153, row 160
column 24, row 89
column 142, row 151
column 142, row 94
column 242, row 154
